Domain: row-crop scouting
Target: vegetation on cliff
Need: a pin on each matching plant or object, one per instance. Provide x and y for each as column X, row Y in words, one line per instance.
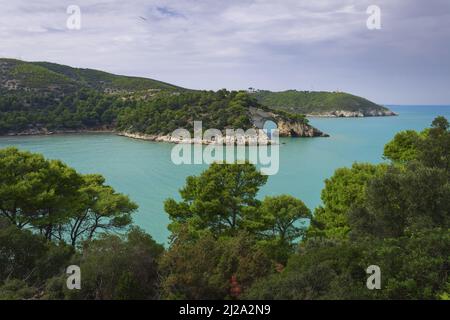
column 317, row 102
column 41, row 97
column 159, row 114
column 220, row 110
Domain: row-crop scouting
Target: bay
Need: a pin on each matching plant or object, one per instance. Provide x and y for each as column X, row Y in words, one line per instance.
column 144, row 170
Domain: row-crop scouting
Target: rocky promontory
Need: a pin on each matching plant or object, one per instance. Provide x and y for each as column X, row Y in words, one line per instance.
column 353, row 114
column 287, row 127
column 334, row 104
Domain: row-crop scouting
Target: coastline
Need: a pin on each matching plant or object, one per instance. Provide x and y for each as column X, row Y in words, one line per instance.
column 261, row 139
column 141, row 136
column 37, row 133
column 137, row 136
column 352, row 114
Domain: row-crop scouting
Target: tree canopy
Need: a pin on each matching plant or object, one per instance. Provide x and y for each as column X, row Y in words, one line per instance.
column 394, row 216
column 227, row 243
column 344, row 190
column 218, row 200
column 56, row 201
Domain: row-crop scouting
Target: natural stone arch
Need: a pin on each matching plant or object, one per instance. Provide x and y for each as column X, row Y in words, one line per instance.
column 286, row 127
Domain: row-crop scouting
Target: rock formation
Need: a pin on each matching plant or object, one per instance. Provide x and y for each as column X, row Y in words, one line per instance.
column 286, row 127
column 353, row 114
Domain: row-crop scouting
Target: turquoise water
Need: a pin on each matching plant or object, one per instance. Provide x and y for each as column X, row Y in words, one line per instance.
column 145, row 172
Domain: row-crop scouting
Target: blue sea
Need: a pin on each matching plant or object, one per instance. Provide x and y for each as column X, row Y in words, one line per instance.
column 144, row 170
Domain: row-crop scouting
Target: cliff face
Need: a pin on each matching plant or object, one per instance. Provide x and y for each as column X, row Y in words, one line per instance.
column 297, row 129
column 353, row 114
column 286, row 127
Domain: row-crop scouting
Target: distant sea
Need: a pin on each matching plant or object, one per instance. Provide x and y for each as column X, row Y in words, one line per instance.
column 145, row 172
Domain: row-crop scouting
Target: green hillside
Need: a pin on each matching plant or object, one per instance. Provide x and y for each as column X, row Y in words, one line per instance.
column 43, row 97
column 45, row 76
column 318, row 102
column 38, row 97
column 158, row 114
column 16, row 74
column 101, row 80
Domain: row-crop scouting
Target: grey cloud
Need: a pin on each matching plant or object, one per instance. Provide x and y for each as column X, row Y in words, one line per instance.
column 268, row 44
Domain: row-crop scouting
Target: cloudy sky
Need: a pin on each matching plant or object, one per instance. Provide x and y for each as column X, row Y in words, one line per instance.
column 236, row 44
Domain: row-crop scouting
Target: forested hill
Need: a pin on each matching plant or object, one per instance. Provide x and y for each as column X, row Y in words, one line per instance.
column 56, row 78
column 42, row 98
column 321, row 103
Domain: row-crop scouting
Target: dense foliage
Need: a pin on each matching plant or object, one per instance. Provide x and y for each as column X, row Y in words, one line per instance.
column 212, row 267
column 43, row 97
column 158, row 114
column 32, row 112
column 57, row 202
column 63, row 79
column 113, row 267
column 396, row 217
column 167, row 112
column 344, row 190
column 314, row 102
column 226, row 243
column 39, row 97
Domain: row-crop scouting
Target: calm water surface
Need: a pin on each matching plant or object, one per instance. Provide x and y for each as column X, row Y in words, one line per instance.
column 145, row 172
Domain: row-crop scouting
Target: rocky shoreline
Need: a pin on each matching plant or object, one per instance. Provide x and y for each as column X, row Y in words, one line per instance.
column 132, row 135
column 261, row 139
column 45, row 132
column 286, row 128
column 146, row 137
column 353, row 114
